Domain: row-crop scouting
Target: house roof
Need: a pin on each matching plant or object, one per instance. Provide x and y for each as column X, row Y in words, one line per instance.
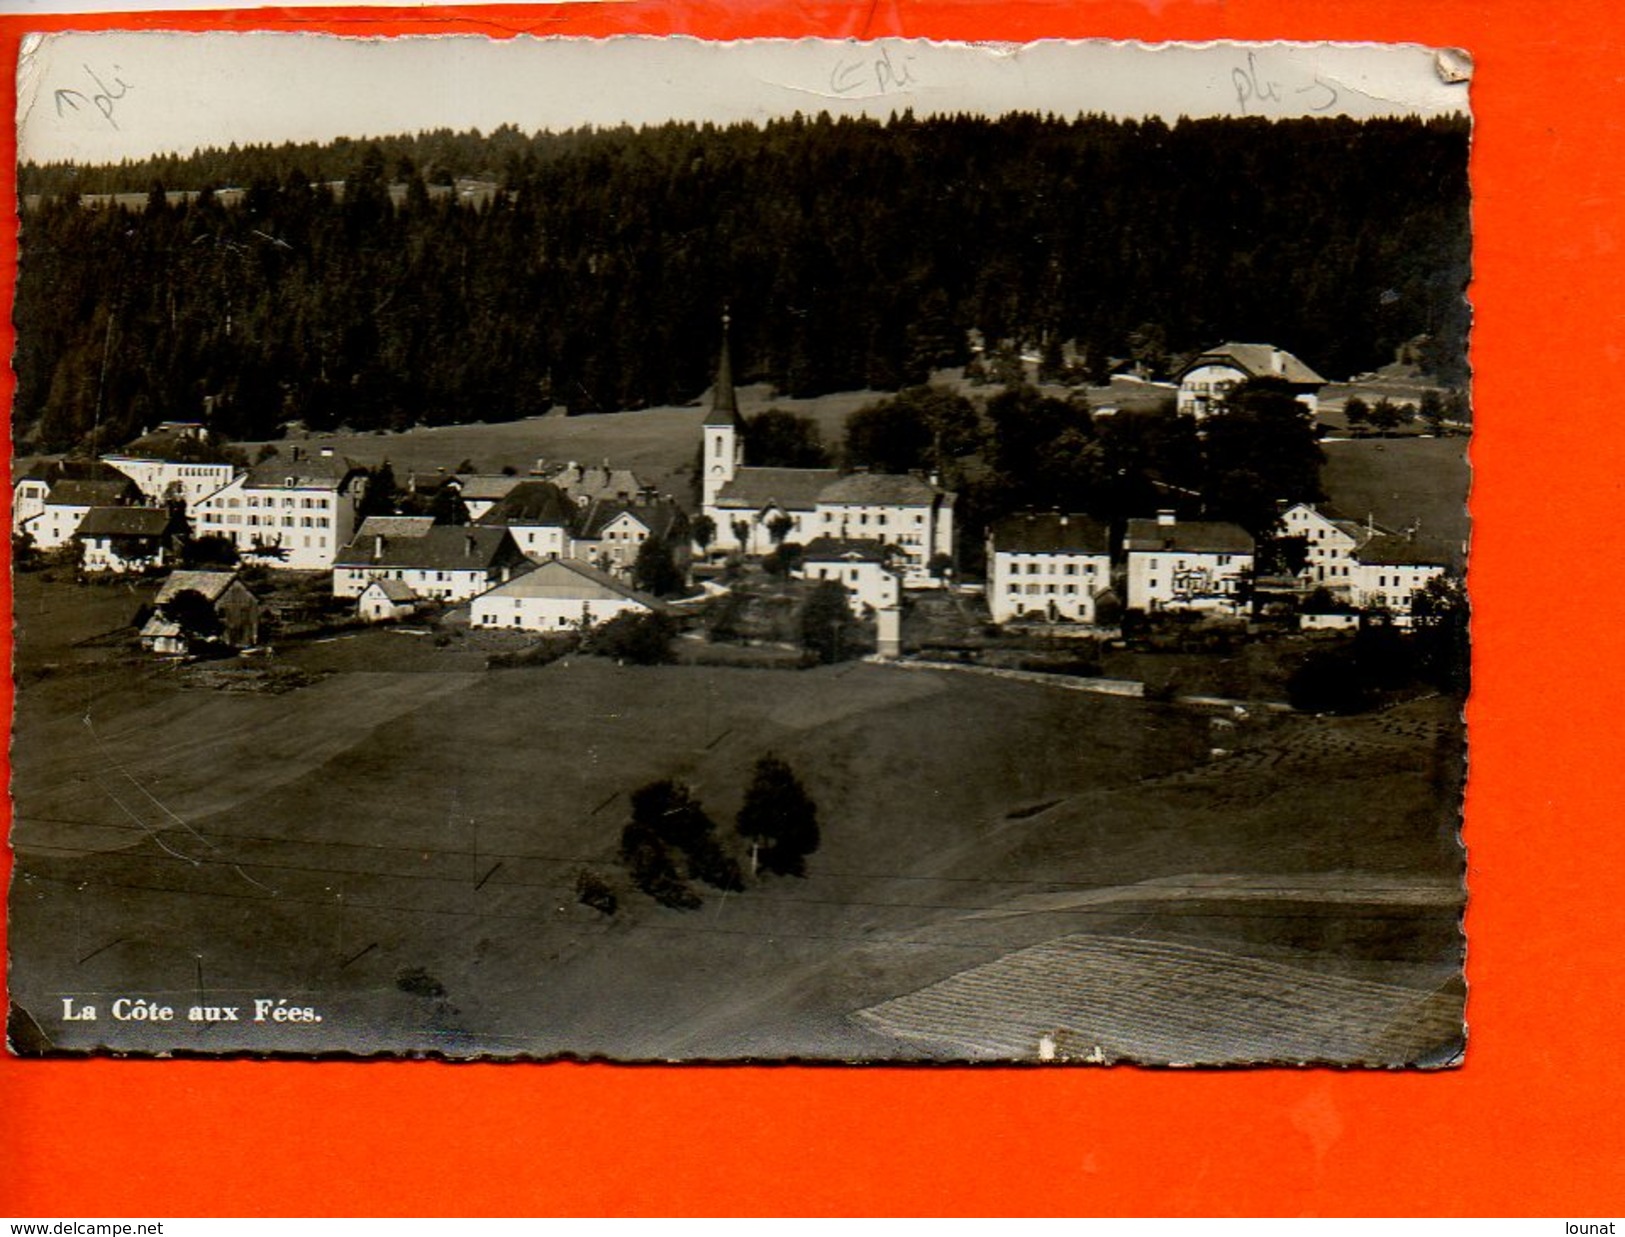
column 75, row 493
column 661, row 519
column 445, row 547
column 1188, row 536
column 171, row 445
column 395, row 590
column 212, row 584
column 530, row 502
column 588, row 482
column 308, row 472
column 570, row 579
column 1258, row 361
column 126, row 522
column 395, row 526
column 482, row 486
column 1395, row 550
column 1050, row 533
column 794, row 489
column 880, row 489
column 848, row 549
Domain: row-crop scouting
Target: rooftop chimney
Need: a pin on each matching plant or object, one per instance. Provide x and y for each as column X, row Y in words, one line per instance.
column 468, row 545
column 1278, row 360
column 327, row 453
column 1166, row 518
column 377, row 548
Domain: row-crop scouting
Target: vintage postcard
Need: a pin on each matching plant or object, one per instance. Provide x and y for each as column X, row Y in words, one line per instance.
column 658, row 550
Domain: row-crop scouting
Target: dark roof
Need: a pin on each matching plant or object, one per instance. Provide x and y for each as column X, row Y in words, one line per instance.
column 1400, row 551
column 307, row 472
column 395, row 526
column 126, row 522
column 794, row 489
column 585, row 481
column 724, row 401
column 212, row 584
column 837, row 549
column 1050, row 533
column 484, row 486
column 570, row 579
column 1188, row 536
column 72, row 493
column 72, row 469
column 1258, row 361
column 880, row 489
column 173, row 446
column 445, row 547
column 662, row 519
column 530, row 502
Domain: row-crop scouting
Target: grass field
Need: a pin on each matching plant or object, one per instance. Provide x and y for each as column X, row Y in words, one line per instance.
column 1400, row 480
column 400, row 848
column 657, row 443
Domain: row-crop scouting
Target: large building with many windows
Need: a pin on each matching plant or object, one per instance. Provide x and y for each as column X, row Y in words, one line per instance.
column 1047, row 566
column 295, row 512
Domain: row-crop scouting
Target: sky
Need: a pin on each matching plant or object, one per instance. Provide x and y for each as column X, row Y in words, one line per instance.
column 94, row 97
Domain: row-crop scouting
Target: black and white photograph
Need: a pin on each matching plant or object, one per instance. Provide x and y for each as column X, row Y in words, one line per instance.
column 655, row 550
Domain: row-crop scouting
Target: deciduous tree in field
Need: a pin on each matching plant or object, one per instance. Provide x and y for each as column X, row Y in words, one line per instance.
column 825, row 618
column 779, row 819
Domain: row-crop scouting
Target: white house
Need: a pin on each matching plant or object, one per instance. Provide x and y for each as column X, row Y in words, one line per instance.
column 748, row 504
column 538, row 515
column 864, row 568
column 1190, row 565
column 174, row 463
column 557, row 596
column 1047, row 565
column 449, row 563
column 1330, row 544
column 295, row 512
column 124, row 540
column 68, row 502
column 1390, row 570
column 612, row 532
column 1208, row 378
column 383, row 600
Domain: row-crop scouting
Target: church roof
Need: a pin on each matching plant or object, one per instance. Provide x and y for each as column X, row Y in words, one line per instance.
column 881, row 489
column 724, row 402
column 793, row 489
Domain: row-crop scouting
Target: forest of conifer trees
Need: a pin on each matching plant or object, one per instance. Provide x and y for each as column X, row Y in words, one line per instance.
column 347, row 288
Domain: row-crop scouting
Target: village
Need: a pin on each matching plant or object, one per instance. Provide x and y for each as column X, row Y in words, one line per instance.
column 244, row 553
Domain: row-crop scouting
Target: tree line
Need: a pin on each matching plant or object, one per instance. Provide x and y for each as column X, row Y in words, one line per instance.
column 853, row 253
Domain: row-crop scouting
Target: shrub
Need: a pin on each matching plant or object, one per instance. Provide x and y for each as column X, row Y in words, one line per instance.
column 642, row 638
column 594, row 891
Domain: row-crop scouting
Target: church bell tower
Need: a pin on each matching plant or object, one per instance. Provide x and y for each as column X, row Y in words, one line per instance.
column 724, row 442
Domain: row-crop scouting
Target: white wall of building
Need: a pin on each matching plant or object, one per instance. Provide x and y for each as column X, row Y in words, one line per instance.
column 311, row 523
column 867, row 584
column 1187, row 580
column 547, row 613
column 1031, row 583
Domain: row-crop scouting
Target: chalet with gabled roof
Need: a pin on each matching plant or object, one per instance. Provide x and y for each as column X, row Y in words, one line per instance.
column 1208, row 378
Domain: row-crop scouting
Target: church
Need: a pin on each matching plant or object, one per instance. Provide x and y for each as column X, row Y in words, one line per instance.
column 905, row 511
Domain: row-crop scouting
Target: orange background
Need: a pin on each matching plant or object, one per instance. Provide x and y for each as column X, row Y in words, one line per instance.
column 1530, row 1125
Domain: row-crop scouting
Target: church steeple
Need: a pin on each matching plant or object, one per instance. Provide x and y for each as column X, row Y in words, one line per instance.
column 723, row 433
column 724, row 403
